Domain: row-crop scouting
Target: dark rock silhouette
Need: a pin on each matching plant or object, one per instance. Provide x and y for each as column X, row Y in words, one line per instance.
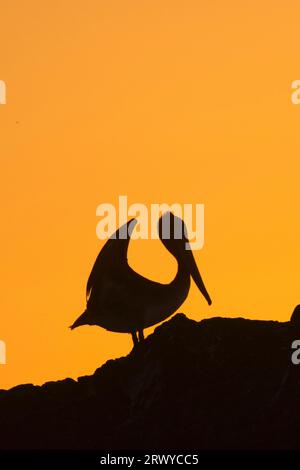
column 295, row 318
column 220, row 383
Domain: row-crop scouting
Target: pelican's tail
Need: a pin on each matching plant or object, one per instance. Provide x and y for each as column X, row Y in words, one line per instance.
column 81, row 320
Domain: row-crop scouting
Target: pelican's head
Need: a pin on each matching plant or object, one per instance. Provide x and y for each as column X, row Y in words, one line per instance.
column 173, row 234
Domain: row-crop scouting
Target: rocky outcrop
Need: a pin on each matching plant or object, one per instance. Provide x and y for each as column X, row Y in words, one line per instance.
column 222, row 383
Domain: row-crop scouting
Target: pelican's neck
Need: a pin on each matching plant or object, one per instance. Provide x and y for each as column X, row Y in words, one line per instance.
column 181, row 282
column 171, row 295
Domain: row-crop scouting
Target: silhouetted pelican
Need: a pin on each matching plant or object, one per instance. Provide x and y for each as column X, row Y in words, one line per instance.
column 121, row 300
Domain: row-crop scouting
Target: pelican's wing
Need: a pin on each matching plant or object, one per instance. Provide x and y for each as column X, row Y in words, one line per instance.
column 113, row 255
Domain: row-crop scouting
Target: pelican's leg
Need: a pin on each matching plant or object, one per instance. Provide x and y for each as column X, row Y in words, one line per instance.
column 134, row 338
column 141, row 335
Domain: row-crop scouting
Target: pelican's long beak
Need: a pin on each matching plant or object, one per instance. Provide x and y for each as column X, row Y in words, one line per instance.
column 192, row 266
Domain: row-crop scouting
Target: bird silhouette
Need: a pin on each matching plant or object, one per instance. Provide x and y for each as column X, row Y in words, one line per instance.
column 121, row 300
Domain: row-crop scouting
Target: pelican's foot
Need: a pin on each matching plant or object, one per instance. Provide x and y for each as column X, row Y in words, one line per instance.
column 141, row 335
column 134, row 339
column 137, row 338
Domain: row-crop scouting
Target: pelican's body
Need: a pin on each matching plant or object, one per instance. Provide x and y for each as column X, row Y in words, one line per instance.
column 121, row 300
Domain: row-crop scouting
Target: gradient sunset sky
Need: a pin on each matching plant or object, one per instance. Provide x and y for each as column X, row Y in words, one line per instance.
column 162, row 101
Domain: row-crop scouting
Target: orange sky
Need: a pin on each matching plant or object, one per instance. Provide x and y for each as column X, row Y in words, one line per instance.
column 164, row 101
